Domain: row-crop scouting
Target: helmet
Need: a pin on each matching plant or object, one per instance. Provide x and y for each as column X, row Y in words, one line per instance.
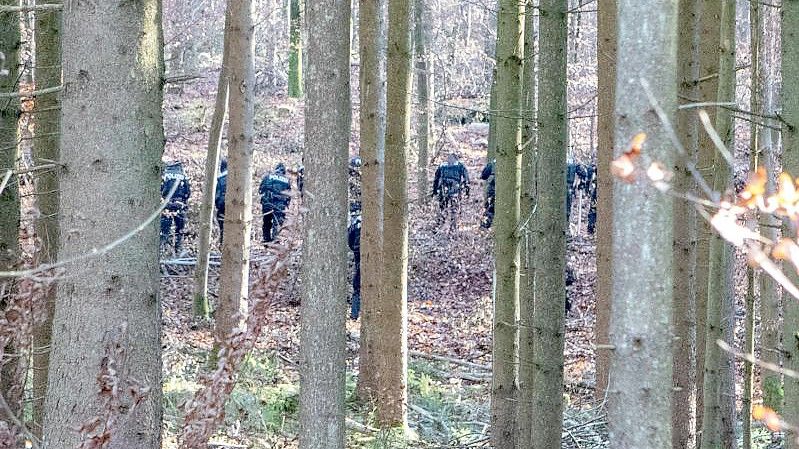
column 355, row 162
column 280, row 168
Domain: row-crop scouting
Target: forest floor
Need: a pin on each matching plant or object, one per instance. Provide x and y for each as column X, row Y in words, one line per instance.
column 449, row 301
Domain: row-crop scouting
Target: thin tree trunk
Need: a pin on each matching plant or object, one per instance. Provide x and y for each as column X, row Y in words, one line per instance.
column 708, row 83
column 373, row 128
column 640, row 326
column 391, row 313
column 790, row 163
column 324, row 270
column 683, row 418
column 524, row 408
column 235, row 270
column 295, row 49
column 426, row 109
column 46, row 147
column 504, row 388
column 107, row 318
column 9, row 141
column 770, row 337
column 549, row 226
column 606, row 58
column 718, row 428
column 492, row 118
column 201, row 308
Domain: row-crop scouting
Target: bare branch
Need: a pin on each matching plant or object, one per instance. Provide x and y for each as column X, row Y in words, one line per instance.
column 42, row 7
column 32, row 94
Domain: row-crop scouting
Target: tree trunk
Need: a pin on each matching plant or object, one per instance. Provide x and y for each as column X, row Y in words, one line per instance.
column 492, row 118
column 391, row 313
column 770, row 337
column 718, row 427
column 504, row 389
column 373, row 128
column 295, row 49
column 549, row 227
column 683, row 417
column 324, row 270
column 110, row 185
column 48, row 126
column 426, row 109
column 606, row 74
column 235, row 271
column 9, row 145
column 640, row 326
column 524, row 408
column 708, row 83
column 790, row 163
column 201, row 308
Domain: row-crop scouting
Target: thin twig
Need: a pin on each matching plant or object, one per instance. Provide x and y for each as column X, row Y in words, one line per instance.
column 31, row 94
column 42, row 7
column 755, row 361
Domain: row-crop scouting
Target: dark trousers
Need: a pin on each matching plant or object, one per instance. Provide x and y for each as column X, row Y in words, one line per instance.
column 168, row 218
column 220, row 220
column 273, row 219
column 355, row 311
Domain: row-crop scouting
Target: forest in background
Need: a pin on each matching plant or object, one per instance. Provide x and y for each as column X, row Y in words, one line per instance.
column 463, row 340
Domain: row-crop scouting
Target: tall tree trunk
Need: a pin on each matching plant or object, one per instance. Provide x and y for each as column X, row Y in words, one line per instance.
column 708, row 83
column 683, row 418
column 48, row 126
column 718, row 428
column 324, row 270
column 9, row 139
column 790, row 163
column 606, row 77
column 235, row 272
column 770, row 337
column 492, row 118
column 549, row 226
column 640, row 326
column 391, row 313
column 110, row 183
column 295, row 48
column 504, row 389
column 426, row 109
column 373, row 128
column 524, row 408
column 752, row 221
column 201, row 308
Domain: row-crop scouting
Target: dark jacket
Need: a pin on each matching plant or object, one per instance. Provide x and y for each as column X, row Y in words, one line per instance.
column 451, row 179
column 274, row 190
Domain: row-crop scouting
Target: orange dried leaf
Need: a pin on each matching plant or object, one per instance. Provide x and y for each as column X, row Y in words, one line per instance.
column 752, row 195
column 636, row 144
column 759, row 411
column 623, row 167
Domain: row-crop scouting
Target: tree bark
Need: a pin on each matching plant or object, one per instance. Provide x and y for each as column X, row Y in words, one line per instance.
column 491, row 153
column 46, row 147
column 235, row 271
column 9, row 141
column 373, row 128
column 683, row 417
column 391, row 314
column 110, row 183
column 525, row 408
column 790, row 163
column 201, row 308
column 708, row 83
column 295, row 48
column 606, row 74
column 718, row 427
column 324, row 270
column 549, row 226
column 504, row 388
column 426, row 110
column 640, row 326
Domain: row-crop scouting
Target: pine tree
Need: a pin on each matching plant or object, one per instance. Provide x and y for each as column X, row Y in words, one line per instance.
column 295, row 48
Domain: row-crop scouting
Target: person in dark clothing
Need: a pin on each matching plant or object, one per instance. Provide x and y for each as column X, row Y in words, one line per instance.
column 489, row 177
column 219, row 198
column 301, row 179
column 175, row 211
column 275, row 193
column 582, row 178
column 450, row 180
column 354, row 242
